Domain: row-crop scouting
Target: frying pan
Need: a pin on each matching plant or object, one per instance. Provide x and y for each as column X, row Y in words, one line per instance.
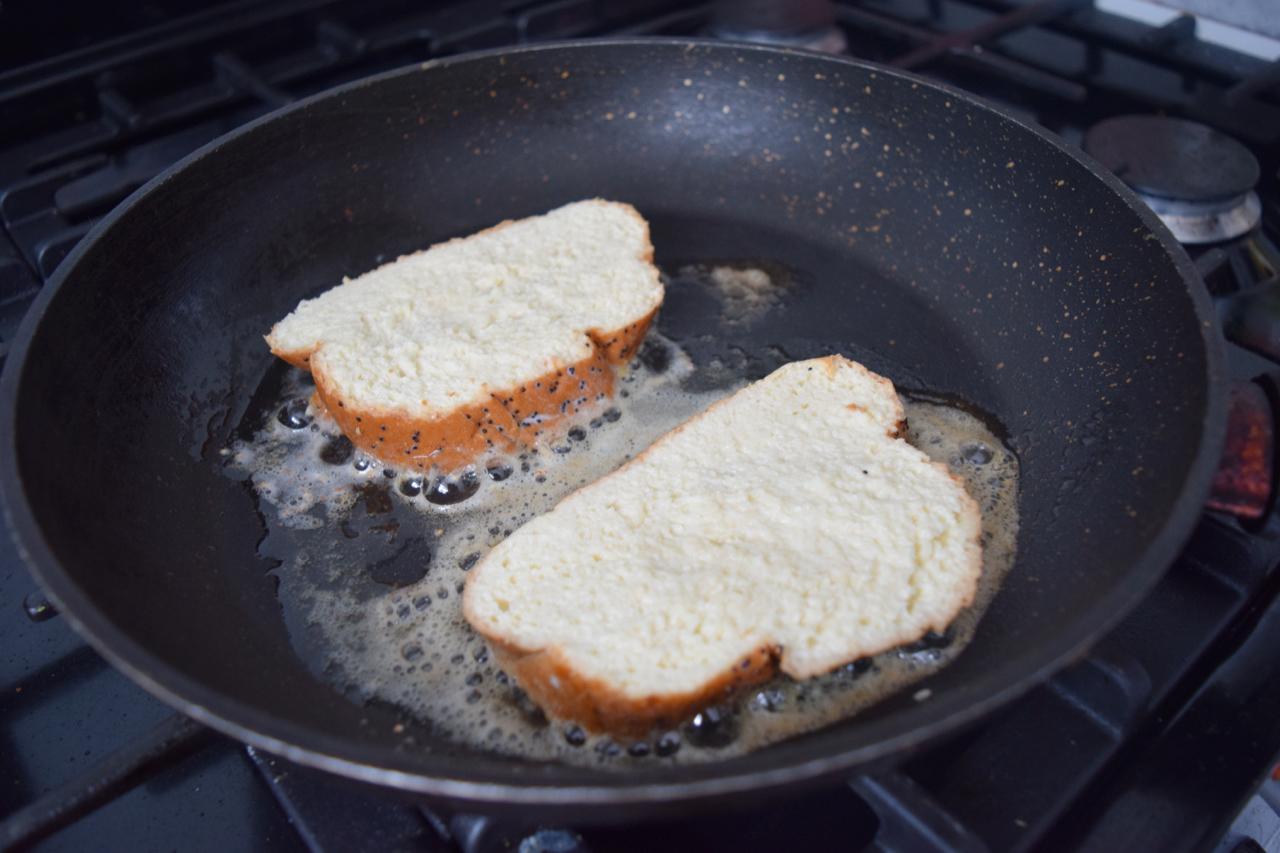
column 951, row 247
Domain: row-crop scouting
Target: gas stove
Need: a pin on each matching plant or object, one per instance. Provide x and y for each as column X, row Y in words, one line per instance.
column 1154, row 741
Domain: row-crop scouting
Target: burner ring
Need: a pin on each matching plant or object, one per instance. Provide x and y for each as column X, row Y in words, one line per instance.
column 1207, row 222
column 1197, row 180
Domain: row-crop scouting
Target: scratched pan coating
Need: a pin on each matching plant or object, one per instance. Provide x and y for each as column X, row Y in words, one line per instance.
column 951, row 247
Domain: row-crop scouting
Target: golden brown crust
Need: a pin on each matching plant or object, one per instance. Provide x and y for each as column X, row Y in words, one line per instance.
column 458, row 437
column 451, row 439
column 563, row 692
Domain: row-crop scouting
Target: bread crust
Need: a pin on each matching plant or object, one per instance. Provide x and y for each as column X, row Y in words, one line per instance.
column 495, row 419
column 600, row 706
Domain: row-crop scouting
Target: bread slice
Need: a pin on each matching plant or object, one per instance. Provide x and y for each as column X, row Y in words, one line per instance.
column 788, row 527
column 481, row 342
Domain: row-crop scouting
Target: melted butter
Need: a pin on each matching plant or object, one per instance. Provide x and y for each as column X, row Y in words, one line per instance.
column 371, row 574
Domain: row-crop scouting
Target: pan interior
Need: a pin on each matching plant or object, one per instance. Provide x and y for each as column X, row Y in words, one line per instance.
column 942, row 244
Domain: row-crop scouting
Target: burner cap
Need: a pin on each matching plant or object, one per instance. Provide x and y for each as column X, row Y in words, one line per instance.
column 1173, row 158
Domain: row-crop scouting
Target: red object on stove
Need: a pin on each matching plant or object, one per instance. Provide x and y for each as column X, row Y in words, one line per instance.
column 1242, row 485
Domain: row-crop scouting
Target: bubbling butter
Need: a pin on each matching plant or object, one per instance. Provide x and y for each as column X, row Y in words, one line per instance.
column 371, row 572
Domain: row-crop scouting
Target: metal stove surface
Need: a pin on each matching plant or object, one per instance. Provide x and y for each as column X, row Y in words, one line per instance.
column 1153, row 742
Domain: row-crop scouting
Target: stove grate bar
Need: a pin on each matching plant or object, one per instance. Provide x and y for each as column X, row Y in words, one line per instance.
column 911, row 820
column 114, row 775
column 1211, row 750
column 335, row 815
column 1010, row 786
column 1079, row 46
column 1032, row 14
column 964, row 47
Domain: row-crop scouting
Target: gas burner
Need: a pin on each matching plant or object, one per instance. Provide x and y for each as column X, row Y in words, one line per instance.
column 1197, row 180
column 807, row 24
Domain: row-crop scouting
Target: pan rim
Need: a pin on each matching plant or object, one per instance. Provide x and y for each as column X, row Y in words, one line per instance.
column 223, row 714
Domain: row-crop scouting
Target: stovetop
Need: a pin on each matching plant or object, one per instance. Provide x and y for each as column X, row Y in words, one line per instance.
column 1152, row 742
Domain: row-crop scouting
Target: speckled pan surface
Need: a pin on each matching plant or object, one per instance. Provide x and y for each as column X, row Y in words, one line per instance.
column 941, row 243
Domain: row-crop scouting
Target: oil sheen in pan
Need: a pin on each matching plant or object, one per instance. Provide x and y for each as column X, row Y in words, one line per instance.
column 372, row 563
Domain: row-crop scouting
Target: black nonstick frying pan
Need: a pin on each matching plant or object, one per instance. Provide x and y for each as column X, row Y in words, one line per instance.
column 947, row 245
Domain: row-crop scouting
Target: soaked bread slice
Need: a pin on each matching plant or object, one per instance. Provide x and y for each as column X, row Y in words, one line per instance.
column 485, row 342
column 788, row 527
